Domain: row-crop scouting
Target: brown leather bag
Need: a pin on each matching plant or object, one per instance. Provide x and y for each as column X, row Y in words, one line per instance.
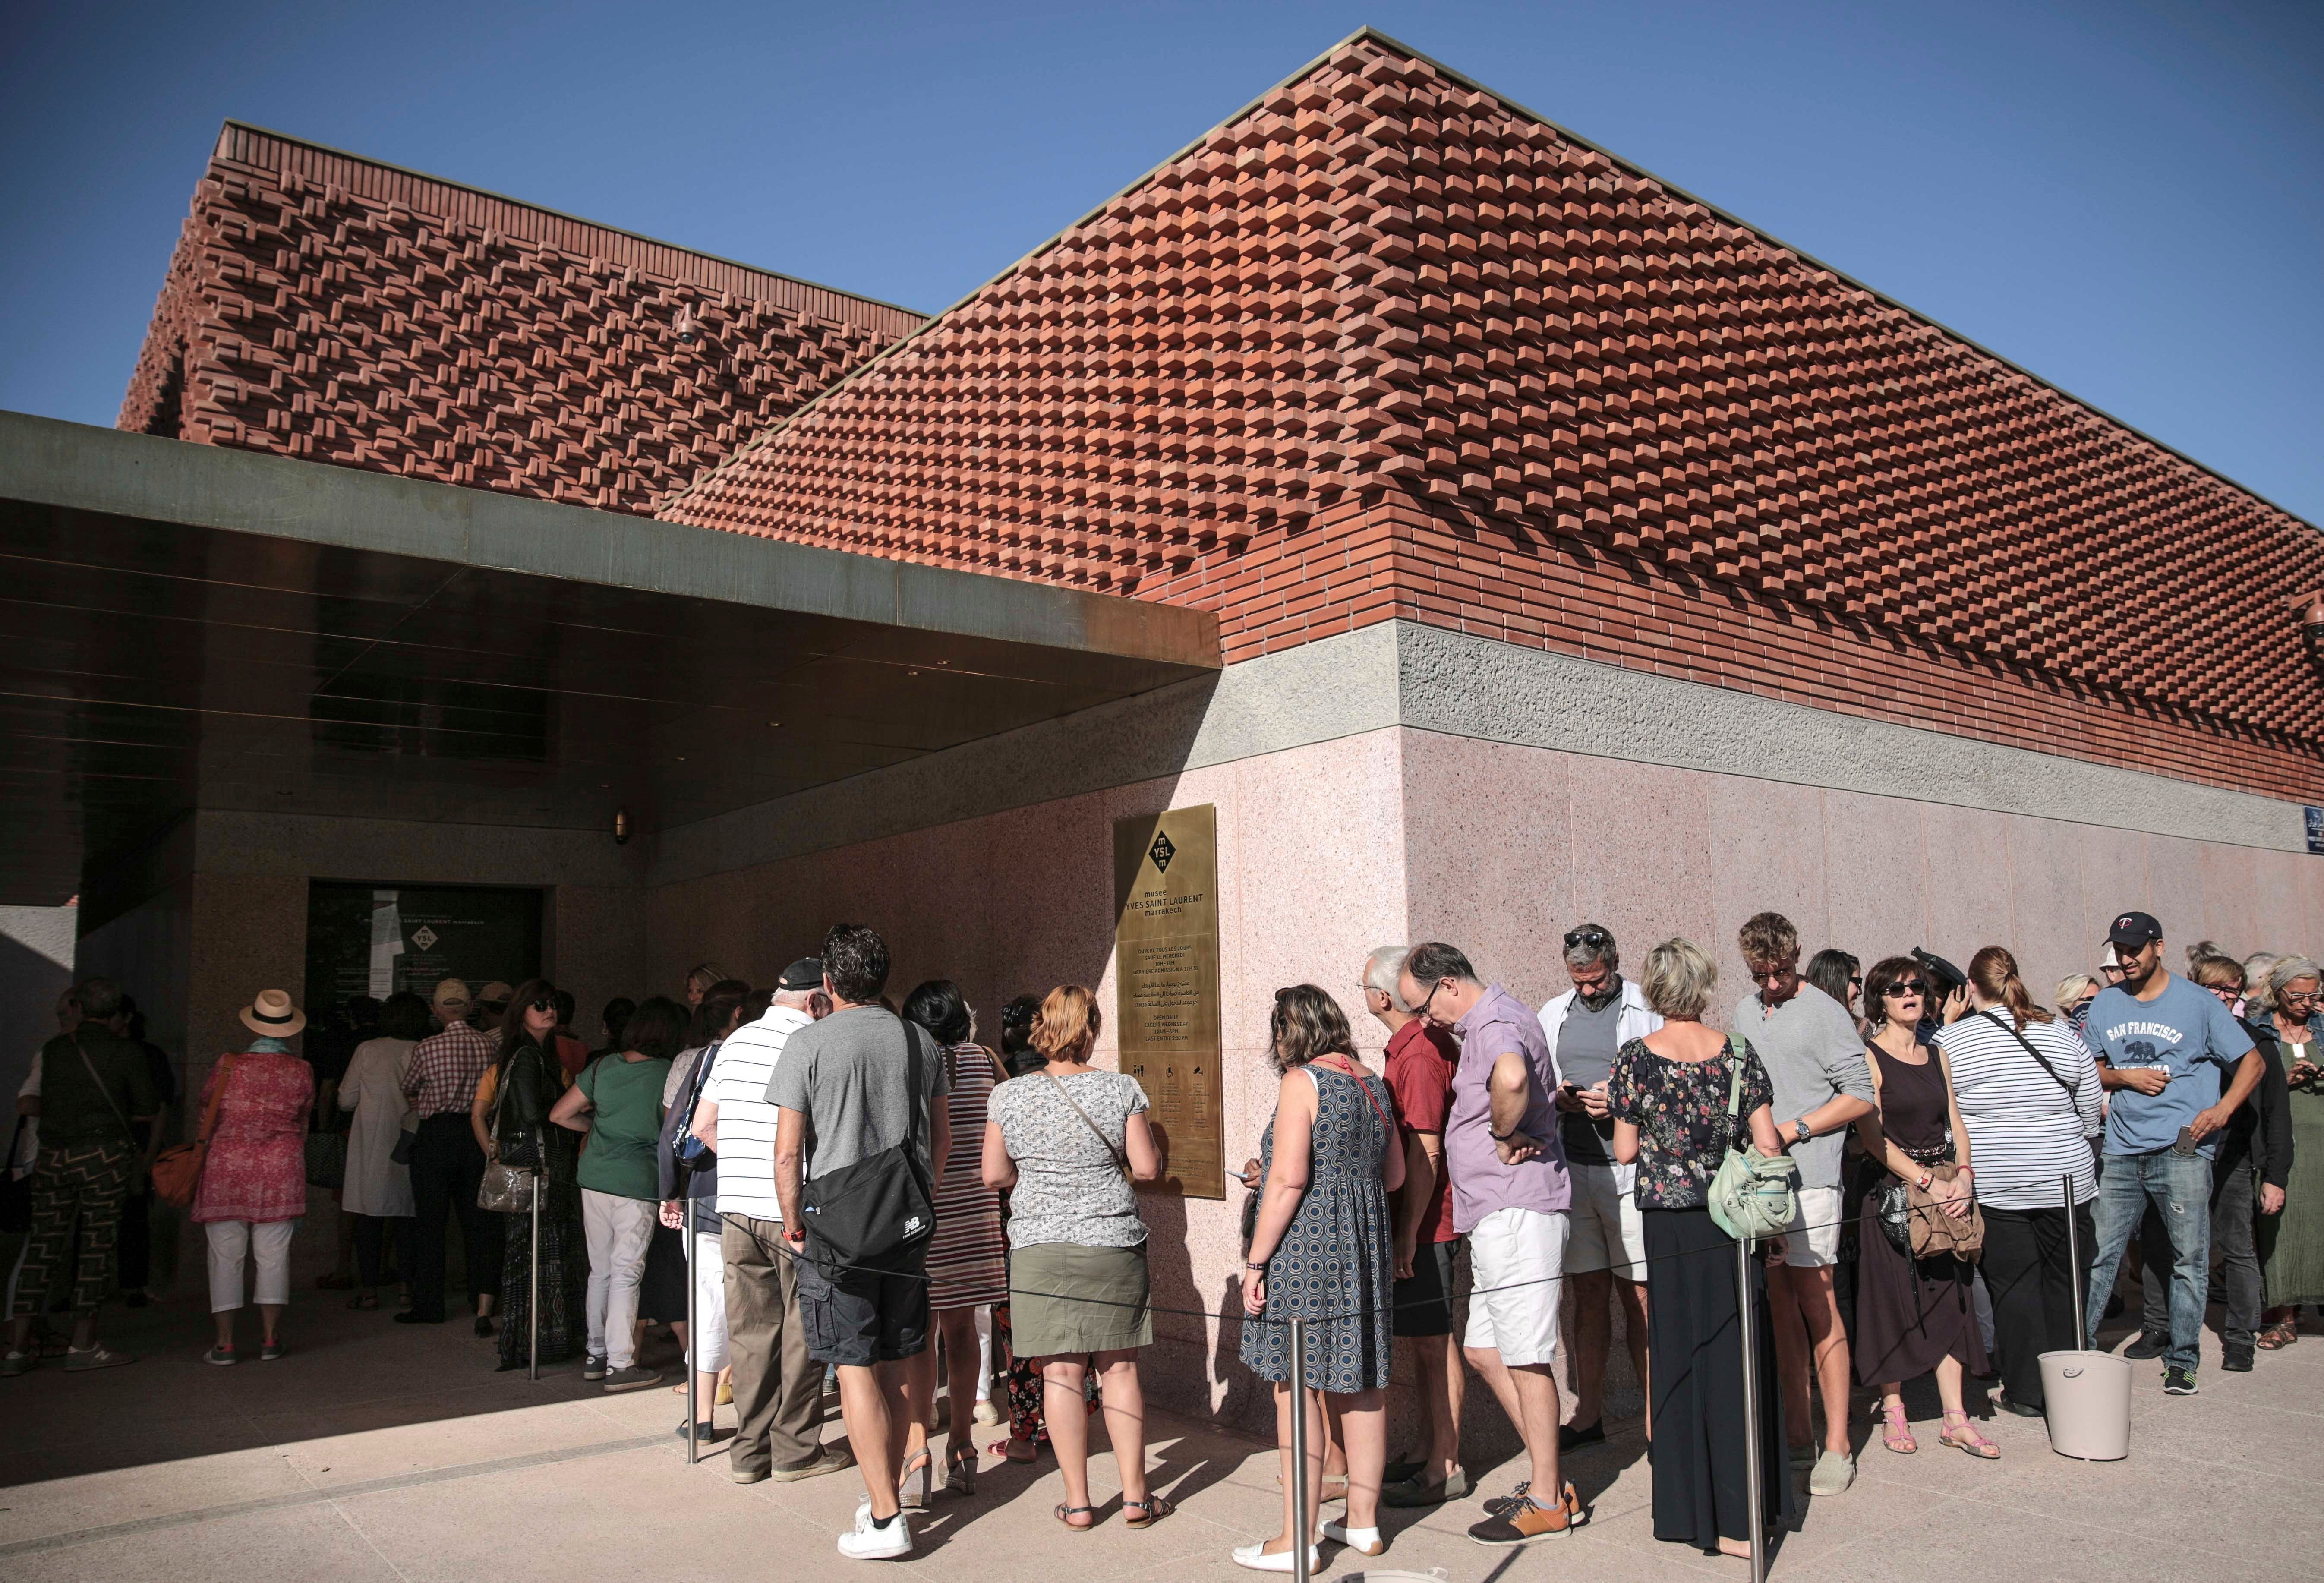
column 1936, row 1233
column 178, row 1169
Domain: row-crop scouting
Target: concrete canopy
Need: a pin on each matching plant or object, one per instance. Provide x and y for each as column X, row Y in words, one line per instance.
column 194, row 627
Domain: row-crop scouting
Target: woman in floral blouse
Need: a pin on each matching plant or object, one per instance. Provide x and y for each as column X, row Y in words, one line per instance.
column 1668, row 1093
column 253, row 1181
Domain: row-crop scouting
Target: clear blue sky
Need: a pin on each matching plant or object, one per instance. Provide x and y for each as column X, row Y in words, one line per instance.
column 2126, row 197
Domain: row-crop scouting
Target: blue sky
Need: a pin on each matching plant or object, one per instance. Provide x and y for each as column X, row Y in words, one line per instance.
column 2126, row 198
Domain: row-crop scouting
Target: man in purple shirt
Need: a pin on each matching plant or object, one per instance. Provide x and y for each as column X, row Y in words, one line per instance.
column 1510, row 1198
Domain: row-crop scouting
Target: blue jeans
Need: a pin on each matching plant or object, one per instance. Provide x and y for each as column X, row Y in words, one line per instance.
column 2180, row 1188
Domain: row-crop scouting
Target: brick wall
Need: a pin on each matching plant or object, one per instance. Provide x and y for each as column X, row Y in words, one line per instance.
column 1386, row 344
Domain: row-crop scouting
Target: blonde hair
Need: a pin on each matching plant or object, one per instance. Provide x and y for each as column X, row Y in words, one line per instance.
column 1679, row 978
column 2217, row 973
column 1068, row 1023
column 2071, row 988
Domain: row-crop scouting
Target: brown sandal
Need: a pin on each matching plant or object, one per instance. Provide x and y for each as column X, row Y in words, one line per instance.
column 1155, row 1508
column 1063, row 1514
column 2277, row 1337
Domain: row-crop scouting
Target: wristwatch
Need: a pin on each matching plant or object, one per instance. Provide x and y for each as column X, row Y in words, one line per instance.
column 1801, row 1132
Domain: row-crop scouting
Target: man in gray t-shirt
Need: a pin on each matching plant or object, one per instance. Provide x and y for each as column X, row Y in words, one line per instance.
column 1815, row 1058
column 843, row 1092
column 850, row 1077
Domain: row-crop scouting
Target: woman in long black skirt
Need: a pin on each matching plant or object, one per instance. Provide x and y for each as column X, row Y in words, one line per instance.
column 1669, row 1096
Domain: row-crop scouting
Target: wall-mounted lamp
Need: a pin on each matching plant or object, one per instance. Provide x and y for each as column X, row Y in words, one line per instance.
column 684, row 322
column 620, row 827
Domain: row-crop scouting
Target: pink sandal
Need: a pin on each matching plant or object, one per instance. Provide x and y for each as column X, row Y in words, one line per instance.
column 1967, row 1438
column 1896, row 1434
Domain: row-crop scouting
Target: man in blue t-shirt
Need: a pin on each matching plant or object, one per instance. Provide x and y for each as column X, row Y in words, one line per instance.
column 2166, row 1049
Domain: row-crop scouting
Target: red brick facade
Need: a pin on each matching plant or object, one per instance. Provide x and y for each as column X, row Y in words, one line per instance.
column 324, row 306
column 1387, row 345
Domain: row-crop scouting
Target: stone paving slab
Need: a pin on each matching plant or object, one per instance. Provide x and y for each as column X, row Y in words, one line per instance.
column 380, row 1451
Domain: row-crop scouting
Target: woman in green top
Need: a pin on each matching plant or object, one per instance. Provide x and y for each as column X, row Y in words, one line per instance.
column 617, row 1100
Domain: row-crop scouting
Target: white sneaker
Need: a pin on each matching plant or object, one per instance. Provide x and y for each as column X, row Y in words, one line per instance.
column 870, row 1543
column 986, row 1413
column 1362, row 1540
column 1255, row 1557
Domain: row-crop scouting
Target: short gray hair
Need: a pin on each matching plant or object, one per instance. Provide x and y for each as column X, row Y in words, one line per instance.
column 2287, row 970
column 2257, row 966
column 1679, row 978
column 1583, row 954
column 1381, row 970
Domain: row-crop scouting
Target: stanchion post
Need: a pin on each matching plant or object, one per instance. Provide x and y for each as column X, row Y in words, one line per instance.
column 693, row 1334
column 2074, row 1274
column 1302, row 1533
column 1754, row 1476
column 533, row 1292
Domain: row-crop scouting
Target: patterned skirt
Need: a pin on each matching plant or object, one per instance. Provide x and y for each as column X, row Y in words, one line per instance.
column 564, row 1279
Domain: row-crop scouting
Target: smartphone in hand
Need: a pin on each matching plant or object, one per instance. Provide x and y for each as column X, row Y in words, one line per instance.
column 2183, row 1146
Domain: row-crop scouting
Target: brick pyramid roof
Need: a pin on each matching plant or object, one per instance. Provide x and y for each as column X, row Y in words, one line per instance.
column 326, row 306
column 1386, row 343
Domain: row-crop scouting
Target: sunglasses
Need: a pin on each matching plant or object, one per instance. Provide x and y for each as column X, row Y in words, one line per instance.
column 542, row 1003
column 1593, row 938
column 1904, row 986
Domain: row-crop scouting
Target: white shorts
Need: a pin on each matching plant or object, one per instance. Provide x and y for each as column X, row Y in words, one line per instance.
column 1516, row 1259
column 1813, row 1242
column 1608, row 1234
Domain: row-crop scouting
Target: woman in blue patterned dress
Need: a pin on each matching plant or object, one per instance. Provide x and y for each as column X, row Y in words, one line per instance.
column 1321, row 1251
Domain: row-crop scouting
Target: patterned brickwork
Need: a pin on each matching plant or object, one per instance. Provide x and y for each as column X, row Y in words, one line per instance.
column 1386, row 345
column 324, row 306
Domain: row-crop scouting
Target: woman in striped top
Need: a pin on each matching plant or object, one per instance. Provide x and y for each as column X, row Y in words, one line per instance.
column 968, row 1259
column 2028, row 1093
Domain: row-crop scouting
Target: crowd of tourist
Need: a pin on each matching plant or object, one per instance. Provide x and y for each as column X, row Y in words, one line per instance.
column 886, row 1208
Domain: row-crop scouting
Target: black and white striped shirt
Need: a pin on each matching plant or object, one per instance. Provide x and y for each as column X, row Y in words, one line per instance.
column 2025, row 1131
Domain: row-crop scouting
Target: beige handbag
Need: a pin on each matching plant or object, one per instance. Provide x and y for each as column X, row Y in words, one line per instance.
column 1936, row 1233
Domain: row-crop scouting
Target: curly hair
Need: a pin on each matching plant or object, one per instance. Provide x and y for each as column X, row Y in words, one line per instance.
column 1306, row 1023
column 1769, row 940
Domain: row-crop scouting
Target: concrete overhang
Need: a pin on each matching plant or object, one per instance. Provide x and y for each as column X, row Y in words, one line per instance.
column 192, row 626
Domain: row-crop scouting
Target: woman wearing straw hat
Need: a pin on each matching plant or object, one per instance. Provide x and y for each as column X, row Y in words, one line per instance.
column 253, row 1185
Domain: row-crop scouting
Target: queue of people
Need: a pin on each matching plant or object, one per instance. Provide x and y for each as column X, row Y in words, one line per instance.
column 882, row 1205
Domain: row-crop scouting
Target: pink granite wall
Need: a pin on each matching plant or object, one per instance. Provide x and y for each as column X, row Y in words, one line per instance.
column 1327, row 851
column 1508, row 846
column 1310, row 877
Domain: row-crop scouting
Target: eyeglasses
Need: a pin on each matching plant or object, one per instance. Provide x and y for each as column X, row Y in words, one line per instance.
column 2302, row 996
column 1593, row 938
column 1904, row 986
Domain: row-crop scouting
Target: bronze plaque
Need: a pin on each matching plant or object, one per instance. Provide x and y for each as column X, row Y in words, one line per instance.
column 1166, row 893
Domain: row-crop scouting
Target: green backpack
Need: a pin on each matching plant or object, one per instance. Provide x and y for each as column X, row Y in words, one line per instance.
column 1753, row 1196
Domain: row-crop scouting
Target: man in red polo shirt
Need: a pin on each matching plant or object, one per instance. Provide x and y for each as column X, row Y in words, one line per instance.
column 1419, row 1061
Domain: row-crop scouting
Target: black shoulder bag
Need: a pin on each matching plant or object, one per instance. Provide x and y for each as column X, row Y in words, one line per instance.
column 874, row 1214
column 2073, row 1094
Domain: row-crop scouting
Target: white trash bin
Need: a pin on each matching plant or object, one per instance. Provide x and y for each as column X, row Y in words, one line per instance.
column 2088, row 1395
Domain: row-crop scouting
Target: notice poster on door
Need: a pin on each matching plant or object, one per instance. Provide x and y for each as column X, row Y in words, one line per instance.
column 379, row 939
column 1166, row 988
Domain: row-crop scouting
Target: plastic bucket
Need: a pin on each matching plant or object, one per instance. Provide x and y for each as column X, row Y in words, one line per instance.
column 2089, row 1405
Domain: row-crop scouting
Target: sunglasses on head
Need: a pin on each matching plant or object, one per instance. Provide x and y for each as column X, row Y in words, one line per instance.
column 1904, row 986
column 1592, row 938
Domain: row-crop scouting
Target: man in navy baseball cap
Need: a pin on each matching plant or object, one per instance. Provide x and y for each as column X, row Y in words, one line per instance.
column 2178, row 1064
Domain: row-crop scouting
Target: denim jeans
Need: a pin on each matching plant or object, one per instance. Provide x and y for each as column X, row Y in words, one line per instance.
column 2235, row 1210
column 2180, row 1188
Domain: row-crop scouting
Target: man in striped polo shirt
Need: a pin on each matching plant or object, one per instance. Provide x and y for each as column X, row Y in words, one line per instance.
column 778, row 1387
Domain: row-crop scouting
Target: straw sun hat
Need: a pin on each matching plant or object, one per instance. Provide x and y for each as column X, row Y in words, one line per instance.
column 270, row 1013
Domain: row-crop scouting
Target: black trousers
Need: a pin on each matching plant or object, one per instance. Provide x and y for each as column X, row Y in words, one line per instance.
column 2235, row 1217
column 371, row 1232
column 2031, row 1280
column 135, row 1249
column 447, row 1169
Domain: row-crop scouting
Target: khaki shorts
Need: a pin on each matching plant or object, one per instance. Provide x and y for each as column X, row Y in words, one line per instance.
column 1607, row 1234
column 1813, row 1242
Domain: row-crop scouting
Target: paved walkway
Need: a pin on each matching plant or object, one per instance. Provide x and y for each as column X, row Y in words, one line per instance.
column 378, row 1452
